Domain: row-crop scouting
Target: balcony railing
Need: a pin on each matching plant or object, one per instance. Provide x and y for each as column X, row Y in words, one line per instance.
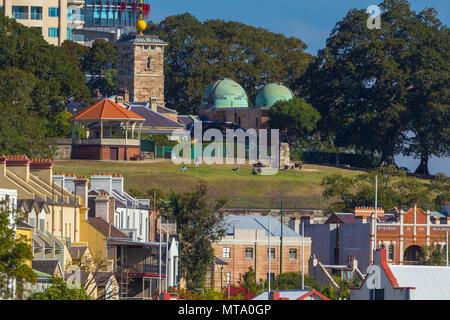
column 36, row 16
column 76, row 38
column 20, row 15
column 108, row 141
column 146, row 268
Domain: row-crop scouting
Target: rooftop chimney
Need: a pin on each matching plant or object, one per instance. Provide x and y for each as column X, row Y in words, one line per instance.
column 20, row 165
column 153, row 105
column 117, row 183
column 81, row 190
column 102, row 181
column 42, row 168
column 69, row 184
column 101, row 203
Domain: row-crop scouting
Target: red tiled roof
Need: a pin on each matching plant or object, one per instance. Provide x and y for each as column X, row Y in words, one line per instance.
column 106, row 109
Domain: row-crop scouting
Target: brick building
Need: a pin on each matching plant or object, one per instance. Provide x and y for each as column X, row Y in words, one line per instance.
column 345, row 237
column 246, row 245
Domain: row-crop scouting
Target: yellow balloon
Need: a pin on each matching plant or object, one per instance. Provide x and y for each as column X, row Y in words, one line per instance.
column 141, row 25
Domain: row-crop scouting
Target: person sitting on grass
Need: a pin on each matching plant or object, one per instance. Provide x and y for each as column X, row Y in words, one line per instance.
column 259, row 170
column 183, row 169
column 236, row 169
column 254, row 172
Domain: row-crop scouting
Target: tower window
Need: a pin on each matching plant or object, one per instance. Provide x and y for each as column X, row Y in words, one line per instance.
column 148, row 63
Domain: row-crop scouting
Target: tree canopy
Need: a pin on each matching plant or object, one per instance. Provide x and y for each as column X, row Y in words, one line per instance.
column 295, row 118
column 14, row 253
column 201, row 52
column 199, row 224
column 98, row 62
column 395, row 189
column 373, row 86
column 60, row 291
column 38, row 79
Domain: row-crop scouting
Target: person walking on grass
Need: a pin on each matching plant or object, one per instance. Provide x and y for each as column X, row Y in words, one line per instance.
column 196, row 162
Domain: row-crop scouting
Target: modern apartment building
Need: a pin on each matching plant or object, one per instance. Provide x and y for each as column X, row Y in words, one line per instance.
column 82, row 21
column 47, row 16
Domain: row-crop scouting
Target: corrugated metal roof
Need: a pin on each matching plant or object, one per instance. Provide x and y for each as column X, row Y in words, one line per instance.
column 258, row 223
column 431, row 282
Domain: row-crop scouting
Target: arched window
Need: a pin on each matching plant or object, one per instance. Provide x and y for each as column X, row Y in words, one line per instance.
column 148, row 63
column 391, row 252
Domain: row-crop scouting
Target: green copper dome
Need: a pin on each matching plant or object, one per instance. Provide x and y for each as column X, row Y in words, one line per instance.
column 271, row 93
column 224, row 93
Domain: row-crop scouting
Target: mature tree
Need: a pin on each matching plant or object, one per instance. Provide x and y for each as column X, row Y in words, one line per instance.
column 100, row 62
column 60, row 291
column 199, row 225
column 58, row 77
column 22, row 127
column 295, row 118
column 440, row 185
column 77, row 52
column 38, row 79
column 200, row 53
column 14, row 252
column 428, row 100
column 363, row 81
column 395, row 189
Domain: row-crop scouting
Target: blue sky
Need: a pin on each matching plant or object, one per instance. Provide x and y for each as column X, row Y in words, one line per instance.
column 309, row 20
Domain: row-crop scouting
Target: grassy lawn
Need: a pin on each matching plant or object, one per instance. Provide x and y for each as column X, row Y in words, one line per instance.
column 298, row 189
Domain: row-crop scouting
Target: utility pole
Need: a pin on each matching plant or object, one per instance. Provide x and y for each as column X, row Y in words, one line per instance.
column 167, row 255
column 303, row 255
column 159, row 255
column 270, row 253
column 281, row 240
column 375, row 221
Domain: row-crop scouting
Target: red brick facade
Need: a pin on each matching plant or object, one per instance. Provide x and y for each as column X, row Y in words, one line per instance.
column 103, row 152
column 415, row 228
column 238, row 264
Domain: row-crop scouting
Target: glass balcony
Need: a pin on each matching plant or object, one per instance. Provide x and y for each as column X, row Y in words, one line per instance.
column 20, row 15
column 36, row 16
